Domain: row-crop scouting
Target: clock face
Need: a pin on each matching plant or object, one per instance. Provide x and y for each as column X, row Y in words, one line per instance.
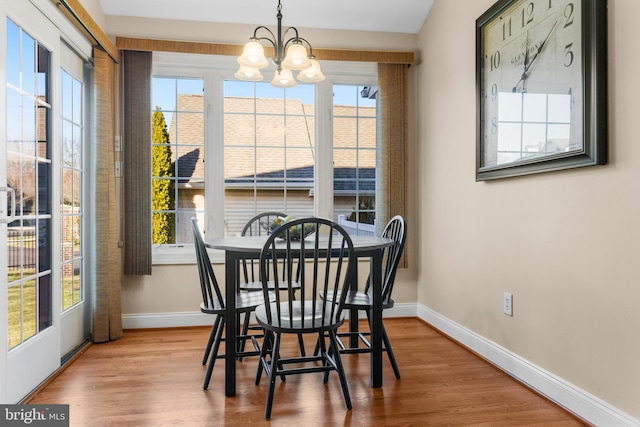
column 531, row 83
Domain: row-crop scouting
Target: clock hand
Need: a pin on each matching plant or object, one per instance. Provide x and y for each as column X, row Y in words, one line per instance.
column 542, row 45
column 524, row 73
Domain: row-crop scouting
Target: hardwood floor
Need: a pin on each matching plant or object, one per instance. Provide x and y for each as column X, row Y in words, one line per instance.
column 154, row 377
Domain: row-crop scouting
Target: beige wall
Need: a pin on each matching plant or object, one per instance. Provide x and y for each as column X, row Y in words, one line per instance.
column 566, row 244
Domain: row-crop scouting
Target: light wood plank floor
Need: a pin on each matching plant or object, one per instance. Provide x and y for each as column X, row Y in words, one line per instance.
column 154, row 378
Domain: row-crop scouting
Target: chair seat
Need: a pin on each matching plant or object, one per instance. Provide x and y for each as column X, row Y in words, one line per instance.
column 257, row 286
column 311, row 322
column 359, row 300
column 245, row 301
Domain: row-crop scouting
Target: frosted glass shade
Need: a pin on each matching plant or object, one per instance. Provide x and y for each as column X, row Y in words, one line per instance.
column 296, row 57
column 249, row 74
column 312, row 74
column 283, row 78
column 253, row 55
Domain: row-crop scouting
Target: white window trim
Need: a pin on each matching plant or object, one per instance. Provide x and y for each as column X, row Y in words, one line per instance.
column 214, row 70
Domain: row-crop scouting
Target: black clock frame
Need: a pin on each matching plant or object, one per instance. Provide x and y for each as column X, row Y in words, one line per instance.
column 594, row 78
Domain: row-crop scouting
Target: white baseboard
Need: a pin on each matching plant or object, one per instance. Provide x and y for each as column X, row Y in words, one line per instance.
column 196, row 318
column 563, row 393
column 166, row 320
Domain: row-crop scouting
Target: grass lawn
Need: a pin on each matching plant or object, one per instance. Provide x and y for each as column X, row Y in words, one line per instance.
column 22, row 319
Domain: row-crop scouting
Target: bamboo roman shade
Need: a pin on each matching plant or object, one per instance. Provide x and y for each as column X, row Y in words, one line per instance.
column 107, row 319
column 393, row 162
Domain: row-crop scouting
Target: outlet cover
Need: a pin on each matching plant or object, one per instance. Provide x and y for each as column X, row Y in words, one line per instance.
column 507, row 305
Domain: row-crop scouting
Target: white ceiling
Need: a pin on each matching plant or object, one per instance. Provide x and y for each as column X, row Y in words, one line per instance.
column 399, row 16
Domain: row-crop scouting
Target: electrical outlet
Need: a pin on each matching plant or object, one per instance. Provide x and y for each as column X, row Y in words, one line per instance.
column 507, row 304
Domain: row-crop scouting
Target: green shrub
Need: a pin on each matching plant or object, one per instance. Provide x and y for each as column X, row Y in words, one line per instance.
column 163, row 199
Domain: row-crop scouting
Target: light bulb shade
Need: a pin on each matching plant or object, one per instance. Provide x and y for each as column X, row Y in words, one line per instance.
column 253, row 55
column 296, row 57
column 312, row 74
column 283, row 78
column 248, row 74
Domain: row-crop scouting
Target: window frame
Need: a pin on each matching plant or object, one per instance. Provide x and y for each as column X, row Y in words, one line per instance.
column 214, row 70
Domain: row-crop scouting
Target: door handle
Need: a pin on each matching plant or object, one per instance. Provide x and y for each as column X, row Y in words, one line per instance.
column 9, row 218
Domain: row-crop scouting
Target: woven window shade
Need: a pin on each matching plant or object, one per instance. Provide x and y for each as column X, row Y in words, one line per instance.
column 393, row 128
column 107, row 316
column 137, row 162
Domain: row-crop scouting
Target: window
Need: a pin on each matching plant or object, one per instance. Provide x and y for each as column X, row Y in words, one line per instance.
column 71, row 90
column 354, row 158
column 258, row 148
column 29, row 174
column 268, row 151
column 177, row 158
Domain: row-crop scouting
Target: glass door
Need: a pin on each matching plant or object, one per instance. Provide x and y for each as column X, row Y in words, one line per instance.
column 73, row 299
column 44, row 313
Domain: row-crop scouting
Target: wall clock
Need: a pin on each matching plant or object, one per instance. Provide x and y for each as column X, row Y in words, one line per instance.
column 541, row 86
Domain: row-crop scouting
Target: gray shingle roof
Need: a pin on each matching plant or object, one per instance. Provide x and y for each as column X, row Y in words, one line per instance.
column 241, row 145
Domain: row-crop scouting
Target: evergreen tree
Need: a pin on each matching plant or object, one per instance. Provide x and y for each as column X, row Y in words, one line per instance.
column 162, row 185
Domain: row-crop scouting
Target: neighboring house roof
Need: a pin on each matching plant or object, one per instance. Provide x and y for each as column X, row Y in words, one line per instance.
column 302, row 178
column 270, row 161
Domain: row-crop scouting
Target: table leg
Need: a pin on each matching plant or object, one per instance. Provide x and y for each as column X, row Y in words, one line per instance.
column 376, row 320
column 353, row 313
column 230, row 327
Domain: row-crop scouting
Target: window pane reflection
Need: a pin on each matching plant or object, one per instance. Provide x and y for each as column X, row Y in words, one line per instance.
column 532, row 125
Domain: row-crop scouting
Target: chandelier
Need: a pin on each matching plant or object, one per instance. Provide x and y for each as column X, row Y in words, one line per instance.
column 296, row 58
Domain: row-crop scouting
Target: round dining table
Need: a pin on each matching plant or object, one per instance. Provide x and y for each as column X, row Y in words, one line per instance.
column 238, row 248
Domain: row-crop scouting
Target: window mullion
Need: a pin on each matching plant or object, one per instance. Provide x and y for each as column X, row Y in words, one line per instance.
column 214, row 154
column 323, row 179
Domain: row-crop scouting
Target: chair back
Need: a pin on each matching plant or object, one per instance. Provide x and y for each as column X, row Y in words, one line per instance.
column 208, row 283
column 396, row 230
column 328, row 262
column 259, row 225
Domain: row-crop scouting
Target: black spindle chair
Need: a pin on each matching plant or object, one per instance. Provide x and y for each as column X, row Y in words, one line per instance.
column 328, row 261
column 395, row 230
column 213, row 302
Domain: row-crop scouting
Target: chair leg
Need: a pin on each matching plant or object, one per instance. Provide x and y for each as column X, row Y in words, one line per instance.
column 392, row 357
column 266, row 347
column 322, row 351
column 214, row 353
column 212, row 336
column 338, row 361
column 301, row 345
column 303, row 353
column 387, row 348
column 316, row 350
column 244, row 333
column 275, row 356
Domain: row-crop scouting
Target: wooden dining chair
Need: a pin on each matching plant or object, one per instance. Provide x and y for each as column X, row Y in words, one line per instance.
column 260, row 225
column 395, row 230
column 328, row 259
column 213, row 302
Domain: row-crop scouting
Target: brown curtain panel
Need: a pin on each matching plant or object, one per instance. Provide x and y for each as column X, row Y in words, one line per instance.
column 137, row 162
column 107, row 315
column 393, row 139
